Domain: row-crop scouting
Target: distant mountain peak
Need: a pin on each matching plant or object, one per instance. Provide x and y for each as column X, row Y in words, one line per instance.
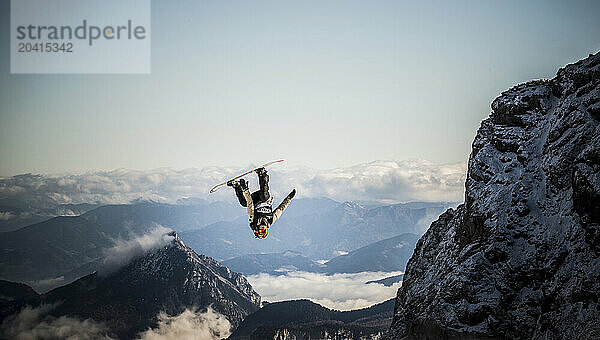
column 168, row 279
column 353, row 205
column 177, row 241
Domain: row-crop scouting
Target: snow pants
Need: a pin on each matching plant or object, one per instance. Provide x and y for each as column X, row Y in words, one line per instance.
column 251, row 200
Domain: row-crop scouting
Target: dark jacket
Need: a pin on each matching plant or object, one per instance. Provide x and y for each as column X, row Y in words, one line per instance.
column 259, row 203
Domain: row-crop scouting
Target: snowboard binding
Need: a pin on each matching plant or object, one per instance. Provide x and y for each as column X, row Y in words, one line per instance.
column 261, row 171
column 238, row 183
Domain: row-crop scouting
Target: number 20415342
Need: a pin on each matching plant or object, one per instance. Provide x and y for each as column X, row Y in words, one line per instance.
column 45, row 47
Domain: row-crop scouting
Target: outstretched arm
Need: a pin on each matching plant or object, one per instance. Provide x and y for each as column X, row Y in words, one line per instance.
column 286, row 201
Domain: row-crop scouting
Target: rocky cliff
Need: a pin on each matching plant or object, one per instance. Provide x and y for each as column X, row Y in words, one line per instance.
column 169, row 279
column 520, row 257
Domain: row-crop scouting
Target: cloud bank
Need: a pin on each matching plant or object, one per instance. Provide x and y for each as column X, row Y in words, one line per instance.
column 191, row 324
column 337, row 291
column 125, row 250
column 385, row 181
column 34, row 323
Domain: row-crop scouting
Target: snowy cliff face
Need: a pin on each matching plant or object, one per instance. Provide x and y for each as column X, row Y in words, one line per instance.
column 520, row 258
column 196, row 280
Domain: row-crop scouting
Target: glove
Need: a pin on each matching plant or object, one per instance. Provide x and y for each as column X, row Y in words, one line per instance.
column 292, row 194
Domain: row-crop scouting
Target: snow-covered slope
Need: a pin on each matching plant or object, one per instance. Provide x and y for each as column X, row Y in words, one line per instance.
column 169, row 279
column 520, row 258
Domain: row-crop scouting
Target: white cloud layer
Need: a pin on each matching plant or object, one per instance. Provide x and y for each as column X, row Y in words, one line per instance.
column 125, row 250
column 337, row 291
column 5, row 216
column 34, row 323
column 385, row 181
column 191, row 324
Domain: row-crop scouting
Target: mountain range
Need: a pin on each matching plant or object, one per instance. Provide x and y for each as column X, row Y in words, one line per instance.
column 318, row 234
column 387, row 255
column 273, row 263
column 16, row 214
column 59, row 250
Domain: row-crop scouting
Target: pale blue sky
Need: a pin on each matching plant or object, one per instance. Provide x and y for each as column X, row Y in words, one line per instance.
column 320, row 83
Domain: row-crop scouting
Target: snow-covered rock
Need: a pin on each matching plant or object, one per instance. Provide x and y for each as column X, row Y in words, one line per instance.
column 169, row 279
column 520, row 258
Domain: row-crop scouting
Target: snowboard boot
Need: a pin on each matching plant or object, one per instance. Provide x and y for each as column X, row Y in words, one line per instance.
column 239, row 183
column 243, row 184
column 261, row 171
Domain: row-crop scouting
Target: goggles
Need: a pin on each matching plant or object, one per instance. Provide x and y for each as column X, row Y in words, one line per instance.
column 261, row 233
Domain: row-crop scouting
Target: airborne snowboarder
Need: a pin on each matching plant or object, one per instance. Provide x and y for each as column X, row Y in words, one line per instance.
column 259, row 203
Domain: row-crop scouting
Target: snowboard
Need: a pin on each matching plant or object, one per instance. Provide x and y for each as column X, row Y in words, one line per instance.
column 244, row 174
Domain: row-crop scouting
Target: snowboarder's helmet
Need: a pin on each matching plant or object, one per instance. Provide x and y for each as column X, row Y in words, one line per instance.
column 261, row 231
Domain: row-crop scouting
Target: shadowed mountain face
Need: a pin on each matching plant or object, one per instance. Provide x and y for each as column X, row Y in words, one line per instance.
column 169, row 279
column 15, row 214
column 124, row 219
column 387, row 255
column 318, row 234
column 303, row 319
column 66, row 247
column 274, row 264
column 520, row 258
column 14, row 296
column 51, row 248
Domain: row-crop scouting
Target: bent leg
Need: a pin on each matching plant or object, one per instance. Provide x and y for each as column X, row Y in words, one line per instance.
column 239, row 193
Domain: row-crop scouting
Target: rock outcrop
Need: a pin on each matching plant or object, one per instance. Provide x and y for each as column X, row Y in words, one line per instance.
column 521, row 257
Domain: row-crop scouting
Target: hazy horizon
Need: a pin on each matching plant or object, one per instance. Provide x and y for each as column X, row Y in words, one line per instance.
column 379, row 181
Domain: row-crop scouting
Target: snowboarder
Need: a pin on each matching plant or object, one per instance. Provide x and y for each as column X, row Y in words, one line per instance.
column 259, row 203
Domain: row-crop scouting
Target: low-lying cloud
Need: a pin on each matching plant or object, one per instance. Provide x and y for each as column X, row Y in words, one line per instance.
column 191, row 324
column 35, row 323
column 125, row 250
column 384, row 181
column 5, row 216
column 337, row 291
column 47, row 284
